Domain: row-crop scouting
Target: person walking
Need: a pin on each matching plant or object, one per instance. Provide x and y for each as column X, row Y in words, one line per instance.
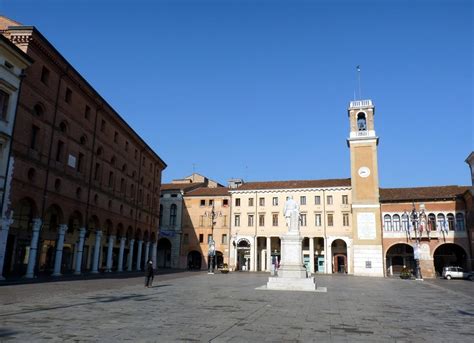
column 149, row 274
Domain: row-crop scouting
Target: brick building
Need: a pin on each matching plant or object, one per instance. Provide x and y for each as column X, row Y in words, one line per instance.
column 85, row 188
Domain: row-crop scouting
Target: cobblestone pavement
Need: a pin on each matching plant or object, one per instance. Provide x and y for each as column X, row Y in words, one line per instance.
column 197, row 307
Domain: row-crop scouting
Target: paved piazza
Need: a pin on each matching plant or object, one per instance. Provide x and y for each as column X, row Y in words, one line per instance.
column 196, row 307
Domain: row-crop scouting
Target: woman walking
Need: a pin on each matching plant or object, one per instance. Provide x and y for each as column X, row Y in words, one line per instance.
column 149, row 274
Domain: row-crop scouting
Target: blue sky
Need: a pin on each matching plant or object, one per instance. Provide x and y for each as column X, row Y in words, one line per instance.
column 260, row 89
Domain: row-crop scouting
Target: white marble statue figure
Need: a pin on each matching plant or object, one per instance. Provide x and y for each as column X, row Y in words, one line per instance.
column 291, row 209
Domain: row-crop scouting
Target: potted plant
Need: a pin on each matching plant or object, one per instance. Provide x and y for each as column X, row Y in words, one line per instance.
column 224, row 269
column 405, row 273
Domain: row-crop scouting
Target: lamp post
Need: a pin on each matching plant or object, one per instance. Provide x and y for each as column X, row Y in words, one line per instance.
column 211, row 255
column 415, row 218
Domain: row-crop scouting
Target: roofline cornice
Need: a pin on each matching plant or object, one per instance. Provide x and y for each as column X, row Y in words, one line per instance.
column 287, row 190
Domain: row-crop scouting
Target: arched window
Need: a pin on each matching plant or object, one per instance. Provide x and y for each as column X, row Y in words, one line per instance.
column 173, row 211
column 431, row 221
column 161, row 216
column 451, row 221
column 396, row 222
column 38, row 110
column 387, row 222
column 63, row 127
column 361, row 121
column 459, row 222
column 112, row 161
column 99, row 151
column 441, row 222
column 83, row 140
column 405, row 222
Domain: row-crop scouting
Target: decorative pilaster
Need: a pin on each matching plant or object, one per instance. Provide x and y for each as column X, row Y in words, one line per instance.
column 110, row 247
column 139, row 255
column 122, row 249
column 80, row 249
column 130, row 256
column 4, row 229
column 97, row 247
column 59, row 250
column 30, row 270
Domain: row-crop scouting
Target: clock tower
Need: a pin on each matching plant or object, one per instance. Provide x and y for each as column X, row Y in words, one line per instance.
column 366, row 222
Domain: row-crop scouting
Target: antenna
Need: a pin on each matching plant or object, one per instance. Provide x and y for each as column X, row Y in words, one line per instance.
column 358, row 77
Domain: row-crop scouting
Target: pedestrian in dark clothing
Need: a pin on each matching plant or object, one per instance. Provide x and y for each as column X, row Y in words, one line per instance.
column 149, row 273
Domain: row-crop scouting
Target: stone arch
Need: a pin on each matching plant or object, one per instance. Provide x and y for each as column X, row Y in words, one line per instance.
column 39, row 109
column 339, row 256
column 449, row 254
column 163, row 256
column 47, row 243
column 24, row 212
column 93, row 223
column 130, row 233
column 75, row 221
column 397, row 256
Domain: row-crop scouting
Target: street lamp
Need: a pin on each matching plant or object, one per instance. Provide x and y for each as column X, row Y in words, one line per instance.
column 211, row 255
column 418, row 220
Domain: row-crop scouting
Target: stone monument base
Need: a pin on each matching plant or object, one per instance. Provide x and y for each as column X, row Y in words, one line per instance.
column 291, row 284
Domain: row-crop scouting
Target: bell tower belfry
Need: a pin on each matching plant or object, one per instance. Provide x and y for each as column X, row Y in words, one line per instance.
column 366, row 222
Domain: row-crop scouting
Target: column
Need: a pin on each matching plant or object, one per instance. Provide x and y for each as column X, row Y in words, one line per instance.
column 97, row 246
column 328, row 256
column 311, row 255
column 110, row 248
column 130, row 255
column 120, row 259
column 59, row 250
column 30, row 270
column 252, row 255
column 154, row 248
column 147, row 251
column 269, row 254
column 80, row 249
column 4, row 229
column 139, row 255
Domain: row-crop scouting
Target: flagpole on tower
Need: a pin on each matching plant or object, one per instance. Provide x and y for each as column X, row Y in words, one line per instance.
column 358, row 77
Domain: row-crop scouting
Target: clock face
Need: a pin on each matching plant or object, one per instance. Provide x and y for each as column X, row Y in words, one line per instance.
column 364, row 172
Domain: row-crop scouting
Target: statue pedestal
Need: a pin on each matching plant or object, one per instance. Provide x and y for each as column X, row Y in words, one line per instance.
column 292, row 275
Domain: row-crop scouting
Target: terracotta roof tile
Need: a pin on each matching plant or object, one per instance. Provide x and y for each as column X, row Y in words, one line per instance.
column 421, row 193
column 295, row 184
column 181, row 186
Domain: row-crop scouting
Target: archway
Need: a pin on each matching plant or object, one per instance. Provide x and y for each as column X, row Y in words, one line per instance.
column 339, row 256
column 243, row 255
column 219, row 259
column 449, row 254
column 163, row 255
column 48, row 239
column 397, row 256
column 194, row 260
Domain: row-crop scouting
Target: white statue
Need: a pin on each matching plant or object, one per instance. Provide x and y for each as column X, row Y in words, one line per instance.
column 291, row 209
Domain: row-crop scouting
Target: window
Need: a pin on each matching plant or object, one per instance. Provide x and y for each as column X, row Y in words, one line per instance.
column 441, row 222
column 80, row 162
column 237, row 202
column 406, row 222
column 45, row 75
column 111, row 179
column 4, row 97
column 202, row 202
column 451, row 221
column 34, row 137
column 78, row 192
column 31, row 174
column 396, row 222
column 261, row 201
column 201, row 238
column 68, row 96
column 237, row 220
column 143, row 161
column 261, row 220
column 122, row 185
column 59, row 150
column 275, row 201
column 57, row 184
column 250, row 220
column 186, row 238
column 173, row 211
column 317, row 200
column 224, row 220
column 126, row 146
column 96, row 171
column 361, row 122
column 303, row 219
column 87, row 112
column 303, row 200
column 209, row 238
column 345, row 199
column 459, row 222
column 115, row 137
column 387, row 222
column 211, row 202
column 83, row 140
column 8, row 65
column 102, row 125
column 225, row 202
column 38, row 110
column 330, row 219
column 317, row 221
column 275, row 219
column 345, row 219
column 250, row 202
column 63, row 127
column 329, row 200
column 224, row 239
column 136, row 153
column 431, row 222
